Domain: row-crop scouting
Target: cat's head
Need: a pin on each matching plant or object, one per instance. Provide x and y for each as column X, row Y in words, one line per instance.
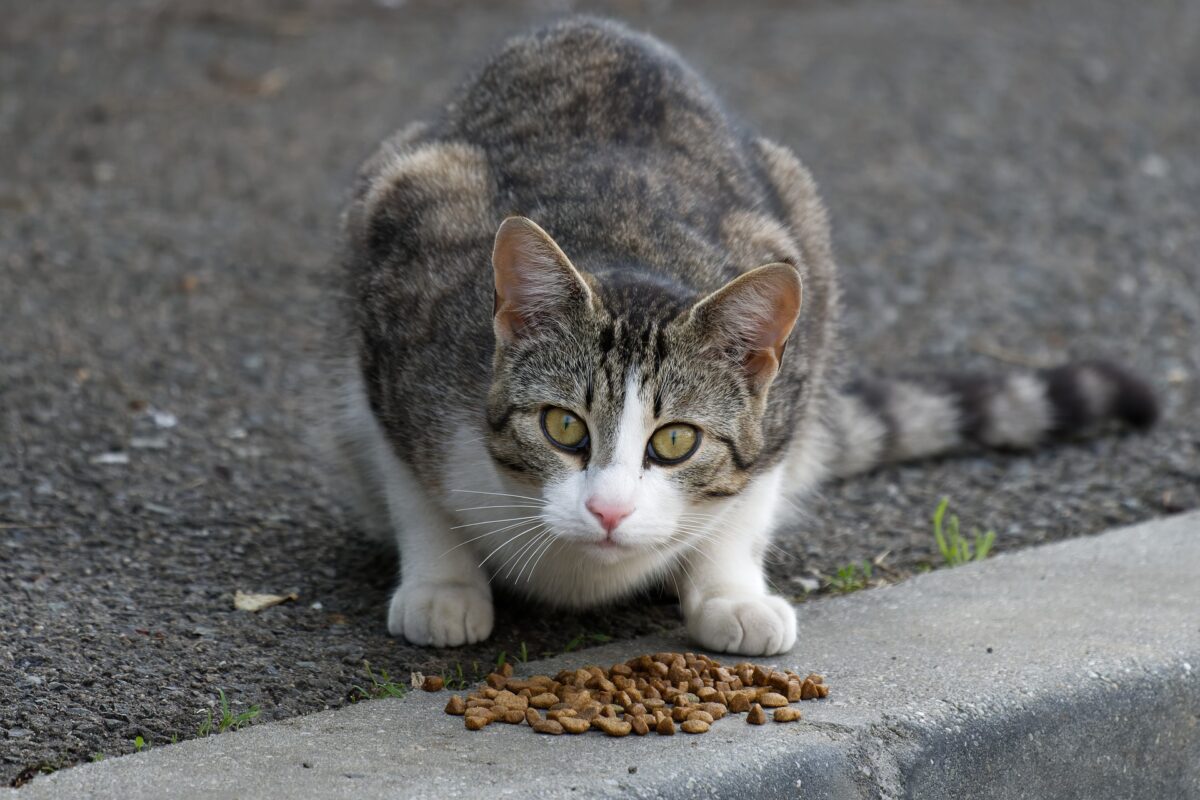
column 635, row 411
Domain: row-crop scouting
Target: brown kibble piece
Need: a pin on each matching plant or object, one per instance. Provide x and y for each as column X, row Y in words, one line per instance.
column 773, row 700
column 513, row 716
column 778, row 681
column 756, row 716
column 559, row 713
column 703, row 716
column 739, row 702
column 665, row 727
column 695, row 726
column 456, row 706
column 477, row 722
column 787, row 714
column 715, row 709
column 638, row 723
column 611, row 726
column 506, row 670
column 574, row 724
column 433, row 683
column 549, row 726
column 532, row 717
column 808, row 690
column 680, row 713
column 794, row 692
column 543, row 700
column 822, row 690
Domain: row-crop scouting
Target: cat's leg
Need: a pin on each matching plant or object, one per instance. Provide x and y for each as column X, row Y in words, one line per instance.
column 444, row 598
column 723, row 586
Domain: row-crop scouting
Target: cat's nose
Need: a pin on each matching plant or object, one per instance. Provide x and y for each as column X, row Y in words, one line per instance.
column 609, row 514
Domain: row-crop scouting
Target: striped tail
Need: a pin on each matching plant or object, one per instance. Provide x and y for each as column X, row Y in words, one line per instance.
column 875, row 422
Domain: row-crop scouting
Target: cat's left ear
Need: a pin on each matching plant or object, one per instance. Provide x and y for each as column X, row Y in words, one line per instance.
column 751, row 318
column 536, row 284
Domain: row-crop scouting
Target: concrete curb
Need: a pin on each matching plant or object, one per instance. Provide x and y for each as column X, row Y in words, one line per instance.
column 1069, row 670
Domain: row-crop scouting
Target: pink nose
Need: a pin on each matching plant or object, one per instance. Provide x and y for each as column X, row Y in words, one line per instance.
column 609, row 514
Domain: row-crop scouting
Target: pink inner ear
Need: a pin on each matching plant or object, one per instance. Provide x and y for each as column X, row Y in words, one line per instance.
column 533, row 277
column 756, row 313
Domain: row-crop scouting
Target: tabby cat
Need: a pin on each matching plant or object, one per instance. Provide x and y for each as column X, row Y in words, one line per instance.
column 589, row 347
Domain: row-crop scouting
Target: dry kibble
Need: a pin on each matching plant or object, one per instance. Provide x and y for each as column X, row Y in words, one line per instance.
column 574, row 724
column 613, row 727
column 643, row 694
column 543, row 700
column 549, row 726
column 433, row 683
column 773, row 700
column 738, row 702
column 787, row 714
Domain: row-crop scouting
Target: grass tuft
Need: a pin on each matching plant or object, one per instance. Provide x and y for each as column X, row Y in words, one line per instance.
column 227, row 721
column 851, row 578
column 381, row 685
column 954, row 547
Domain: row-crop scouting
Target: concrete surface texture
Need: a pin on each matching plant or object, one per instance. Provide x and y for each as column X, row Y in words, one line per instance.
column 1070, row 670
column 1008, row 182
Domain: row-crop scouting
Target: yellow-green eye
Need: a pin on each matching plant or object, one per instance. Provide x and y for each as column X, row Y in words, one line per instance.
column 564, row 429
column 671, row 444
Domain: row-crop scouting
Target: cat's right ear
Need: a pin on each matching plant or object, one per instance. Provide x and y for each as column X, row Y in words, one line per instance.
column 536, row 284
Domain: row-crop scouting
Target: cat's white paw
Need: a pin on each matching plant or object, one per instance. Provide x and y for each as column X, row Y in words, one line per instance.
column 752, row 625
column 441, row 614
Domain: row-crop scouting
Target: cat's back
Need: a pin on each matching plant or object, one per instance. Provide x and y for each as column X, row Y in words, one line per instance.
column 601, row 133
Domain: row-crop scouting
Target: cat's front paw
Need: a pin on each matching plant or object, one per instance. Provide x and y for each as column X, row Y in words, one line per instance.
column 752, row 625
column 441, row 614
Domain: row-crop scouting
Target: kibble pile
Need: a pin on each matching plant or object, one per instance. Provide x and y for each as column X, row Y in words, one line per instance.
column 647, row 693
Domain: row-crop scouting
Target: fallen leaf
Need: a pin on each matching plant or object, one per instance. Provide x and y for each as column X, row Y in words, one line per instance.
column 243, row 601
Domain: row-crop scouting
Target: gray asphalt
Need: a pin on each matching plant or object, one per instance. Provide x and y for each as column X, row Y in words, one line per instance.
column 1009, row 183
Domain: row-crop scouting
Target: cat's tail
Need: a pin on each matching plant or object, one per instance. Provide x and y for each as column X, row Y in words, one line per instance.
column 874, row 422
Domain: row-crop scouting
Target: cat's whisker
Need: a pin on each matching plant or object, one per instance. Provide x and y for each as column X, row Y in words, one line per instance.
column 509, row 540
column 487, row 534
column 494, row 521
column 480, row 508
column 504, row 494
column 513, row 558
column 546, row 549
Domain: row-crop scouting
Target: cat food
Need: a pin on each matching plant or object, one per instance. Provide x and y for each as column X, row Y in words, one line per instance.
column 647, row 693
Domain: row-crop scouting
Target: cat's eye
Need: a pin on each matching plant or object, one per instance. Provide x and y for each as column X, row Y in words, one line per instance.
column 674, row 443
column 564, row 430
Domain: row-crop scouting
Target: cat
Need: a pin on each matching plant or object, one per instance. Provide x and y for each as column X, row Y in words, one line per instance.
column 588, row 346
